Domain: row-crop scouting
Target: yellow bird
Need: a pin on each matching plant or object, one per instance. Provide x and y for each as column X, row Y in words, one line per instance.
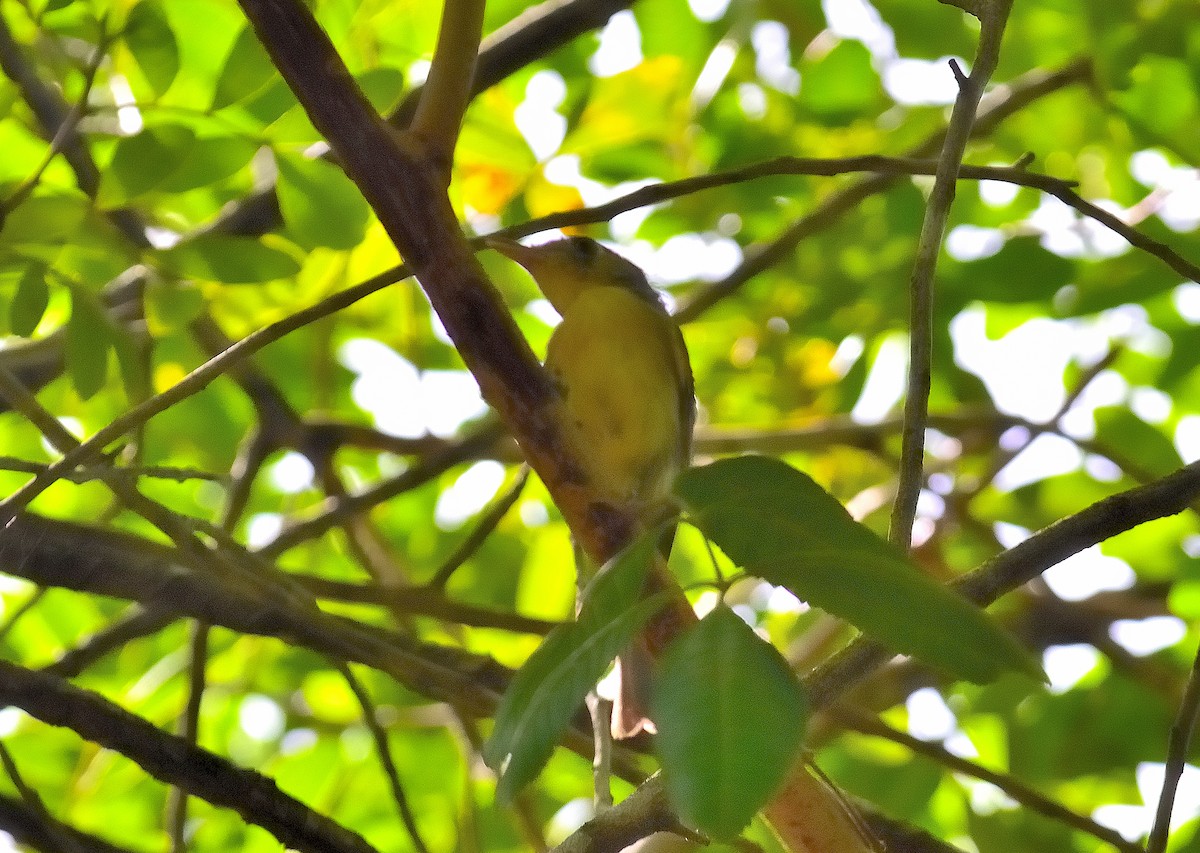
column 622, row 368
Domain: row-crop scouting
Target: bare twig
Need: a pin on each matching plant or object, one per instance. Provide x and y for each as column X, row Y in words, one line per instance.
column 384, row 750
column 135, row 623
column 336, row 510
column 423, row 601
column 933, row 229
column 1020, row 792
column 189, row 728
column 487, row 523
column 1178, row 742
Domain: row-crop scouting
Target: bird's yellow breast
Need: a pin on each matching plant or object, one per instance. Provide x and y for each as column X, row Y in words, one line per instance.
column 618, row 360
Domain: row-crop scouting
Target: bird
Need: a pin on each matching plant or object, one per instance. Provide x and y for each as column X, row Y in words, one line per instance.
column 622, row 370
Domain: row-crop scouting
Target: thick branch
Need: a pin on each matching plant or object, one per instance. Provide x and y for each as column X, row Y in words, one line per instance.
column 173, row 760
column 407, row 196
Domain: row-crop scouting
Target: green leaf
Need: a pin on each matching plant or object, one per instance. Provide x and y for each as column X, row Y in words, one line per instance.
column 88, row 342
column 49, row 220
column 209, row 161
column 548, row 689
column 149, row 38
column 320, row 205
column 1022, row 271
column 29, row 304
column 230, row 260
column 141, row 163
column 781, row 526
column 731, row 716
column 247, row 70
column 841, row 85
column 1131, row 438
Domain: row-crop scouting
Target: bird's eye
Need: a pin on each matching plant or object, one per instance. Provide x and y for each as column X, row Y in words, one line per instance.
column 584, row 248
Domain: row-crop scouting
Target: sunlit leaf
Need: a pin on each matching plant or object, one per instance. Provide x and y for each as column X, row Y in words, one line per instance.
column 150, row 39
column 320, row 204
column 247, row 69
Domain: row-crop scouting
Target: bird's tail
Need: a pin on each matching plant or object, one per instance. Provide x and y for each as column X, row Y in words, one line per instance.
column 636, row 665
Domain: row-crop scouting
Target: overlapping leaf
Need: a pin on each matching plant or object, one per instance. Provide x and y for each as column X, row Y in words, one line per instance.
column 731, row 716
column 781, row 526
column 549, row 689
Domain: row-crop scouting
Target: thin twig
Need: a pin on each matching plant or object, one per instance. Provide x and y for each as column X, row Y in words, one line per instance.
column 487, row 523
column 87, row 475
column 135, row 623
column 933, row 230
column 1020, row 792
column 384, row 750
column 1178, row 742
column 1014, row 97
column 25, row 606
column 335, row 511
column 189, row 728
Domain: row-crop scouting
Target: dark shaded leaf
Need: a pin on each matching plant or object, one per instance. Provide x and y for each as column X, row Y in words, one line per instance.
column 549, row 688
column 88, row 342
column 781, row 526
column 29, row 304
column 731, row 716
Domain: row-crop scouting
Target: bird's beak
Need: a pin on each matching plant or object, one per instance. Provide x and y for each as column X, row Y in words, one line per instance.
column 513, row 250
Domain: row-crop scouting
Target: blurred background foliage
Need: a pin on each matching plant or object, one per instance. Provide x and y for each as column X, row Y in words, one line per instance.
column 1065, row 370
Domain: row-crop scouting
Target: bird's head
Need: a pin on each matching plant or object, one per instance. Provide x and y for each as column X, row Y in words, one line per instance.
column 564, row 268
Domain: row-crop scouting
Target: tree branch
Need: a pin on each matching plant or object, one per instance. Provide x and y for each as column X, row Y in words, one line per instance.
column 447, row 89
column 933, row 230
column 1018, row 565
column 175, row 761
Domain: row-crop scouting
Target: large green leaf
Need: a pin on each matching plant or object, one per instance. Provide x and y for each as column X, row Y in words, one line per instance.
column 731, row 716
column 247, row 70
column 548, row 690
column 142, row 163
column 781, row 526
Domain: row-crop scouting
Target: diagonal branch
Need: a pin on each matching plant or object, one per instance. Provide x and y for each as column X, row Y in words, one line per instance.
column 1006, row 572
column 176, row 761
